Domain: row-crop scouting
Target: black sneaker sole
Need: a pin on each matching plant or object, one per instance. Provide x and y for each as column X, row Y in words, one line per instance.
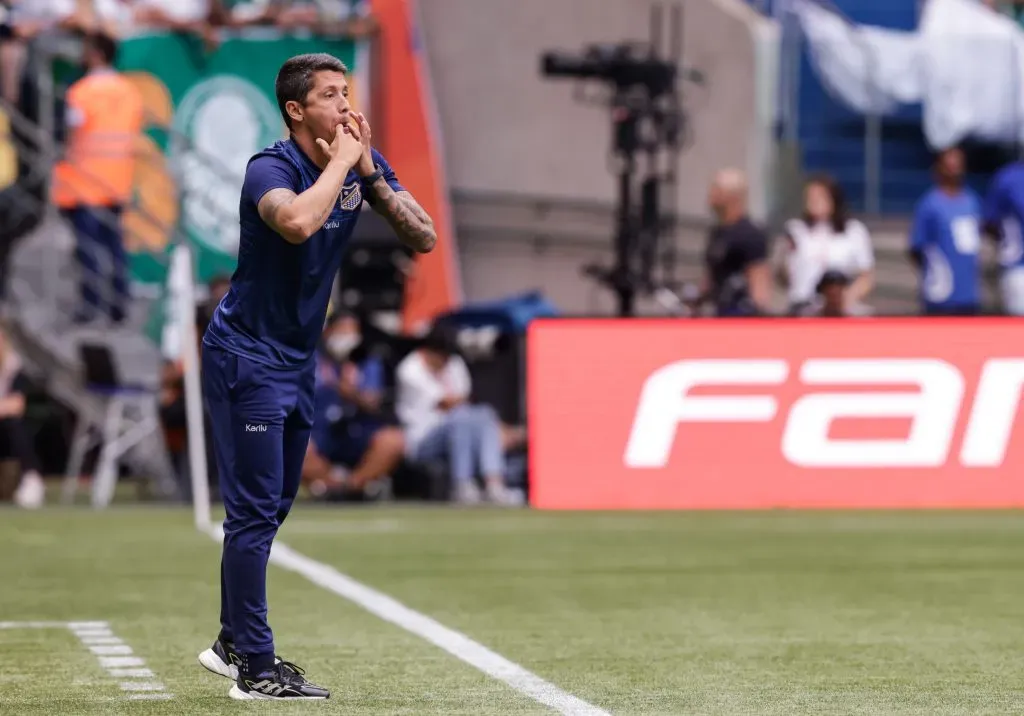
column 239, row 695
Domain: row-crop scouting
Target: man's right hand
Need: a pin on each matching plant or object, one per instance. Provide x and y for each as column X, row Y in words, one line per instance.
column 344, row 148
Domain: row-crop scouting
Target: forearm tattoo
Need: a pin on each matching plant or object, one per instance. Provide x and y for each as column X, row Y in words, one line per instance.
column 412, row 224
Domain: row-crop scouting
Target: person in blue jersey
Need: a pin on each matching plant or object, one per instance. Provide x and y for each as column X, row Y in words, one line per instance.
column 300, row 201
column 1003, row 216
column 944, row 241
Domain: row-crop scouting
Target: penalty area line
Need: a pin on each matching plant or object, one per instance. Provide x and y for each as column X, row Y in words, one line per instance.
column 455, row 643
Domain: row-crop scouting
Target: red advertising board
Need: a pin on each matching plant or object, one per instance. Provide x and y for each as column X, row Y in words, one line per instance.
column 750, row 414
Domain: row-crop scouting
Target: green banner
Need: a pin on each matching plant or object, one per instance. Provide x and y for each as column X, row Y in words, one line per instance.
column 210, row 111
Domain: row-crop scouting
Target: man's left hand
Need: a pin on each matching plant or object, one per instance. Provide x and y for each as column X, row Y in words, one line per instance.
column 361, row 131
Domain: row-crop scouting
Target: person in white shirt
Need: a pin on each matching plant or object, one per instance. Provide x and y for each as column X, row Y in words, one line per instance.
column 825, row 239
column 432, row 403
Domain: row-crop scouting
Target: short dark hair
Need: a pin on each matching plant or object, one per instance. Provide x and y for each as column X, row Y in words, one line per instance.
column 441, row 340
column 295, row 78
column 103, row 44
column 941, row 154
column 832, row 278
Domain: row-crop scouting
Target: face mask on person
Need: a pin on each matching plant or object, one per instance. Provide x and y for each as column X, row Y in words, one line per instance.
column 341, row 345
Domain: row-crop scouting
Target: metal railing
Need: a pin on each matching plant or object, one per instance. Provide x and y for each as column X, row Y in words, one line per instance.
column 37, row 152
column 29, row 193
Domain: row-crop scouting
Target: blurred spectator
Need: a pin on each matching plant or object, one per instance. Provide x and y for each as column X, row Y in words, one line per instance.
column 14, row 439
column 29, row 18
column 94, row 180
column 198, row 17
column 832, row 290
column 330, row 17
column 323, row 16
column 111, row 17
column 737, row 279
column 1003, row 215
column 174, row 422
column 173, row 411
column 351, row 444
column 440, row 423
column 12, row 55
column 24, row 20
column 218, row 287
column 826, row 238
column 175, row 15
column 944, row 241
column 243, row 13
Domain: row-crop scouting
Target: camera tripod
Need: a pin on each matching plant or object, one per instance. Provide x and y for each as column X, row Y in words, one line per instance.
column 648, row 122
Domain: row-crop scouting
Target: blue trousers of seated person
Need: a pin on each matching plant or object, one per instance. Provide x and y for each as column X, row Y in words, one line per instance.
column 470, row 440
column 339, row 439
column 345, row 445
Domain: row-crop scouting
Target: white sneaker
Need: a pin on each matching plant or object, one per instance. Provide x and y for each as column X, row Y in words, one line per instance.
column 31, row 492
column 498, row 494
column 467, row 494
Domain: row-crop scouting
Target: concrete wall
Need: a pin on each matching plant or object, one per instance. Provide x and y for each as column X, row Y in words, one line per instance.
column 507, row 130
column 509, row 246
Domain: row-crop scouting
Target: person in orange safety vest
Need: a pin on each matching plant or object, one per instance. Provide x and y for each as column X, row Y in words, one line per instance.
column 92, row 184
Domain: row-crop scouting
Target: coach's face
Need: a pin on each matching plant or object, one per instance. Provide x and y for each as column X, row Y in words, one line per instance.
column 326, row 105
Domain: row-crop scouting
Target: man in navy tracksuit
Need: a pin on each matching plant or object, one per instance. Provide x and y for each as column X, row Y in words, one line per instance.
column 300, row 201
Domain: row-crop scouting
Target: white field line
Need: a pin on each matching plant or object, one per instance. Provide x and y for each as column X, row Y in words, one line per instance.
column 455, row 643
column 114, row 655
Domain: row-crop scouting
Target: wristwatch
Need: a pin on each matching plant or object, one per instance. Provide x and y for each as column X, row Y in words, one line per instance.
column 372, row 179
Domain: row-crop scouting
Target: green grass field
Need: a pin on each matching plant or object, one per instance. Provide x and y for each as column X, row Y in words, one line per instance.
column 668, row 613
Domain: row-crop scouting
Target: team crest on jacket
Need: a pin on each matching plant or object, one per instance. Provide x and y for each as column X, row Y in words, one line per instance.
column 351, row 197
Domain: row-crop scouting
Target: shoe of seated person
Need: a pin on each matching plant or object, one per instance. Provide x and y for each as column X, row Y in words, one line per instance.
column 31, row 492
column 498, row 494
column 466, row 494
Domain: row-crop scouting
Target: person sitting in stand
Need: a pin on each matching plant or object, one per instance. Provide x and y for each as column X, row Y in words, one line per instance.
column 433, row 385
column 832, row 290
column 351, row 445
column 15, row 442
